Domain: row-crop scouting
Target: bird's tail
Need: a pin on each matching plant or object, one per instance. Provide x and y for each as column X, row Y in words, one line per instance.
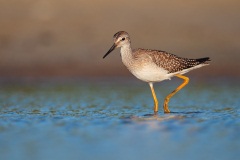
column 204, row 60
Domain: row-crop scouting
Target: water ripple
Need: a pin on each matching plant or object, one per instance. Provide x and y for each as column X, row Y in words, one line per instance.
column 73, row 121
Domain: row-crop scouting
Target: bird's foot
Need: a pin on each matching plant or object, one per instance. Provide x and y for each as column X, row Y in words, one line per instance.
column 165, row 107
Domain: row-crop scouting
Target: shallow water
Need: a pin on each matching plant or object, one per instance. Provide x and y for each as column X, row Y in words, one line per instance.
column 112, row 120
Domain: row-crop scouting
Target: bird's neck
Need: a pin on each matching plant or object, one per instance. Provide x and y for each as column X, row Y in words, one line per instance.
column 127, row 55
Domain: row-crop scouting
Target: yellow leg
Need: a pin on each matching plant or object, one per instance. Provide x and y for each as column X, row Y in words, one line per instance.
column 155, row 109
column 185, row 82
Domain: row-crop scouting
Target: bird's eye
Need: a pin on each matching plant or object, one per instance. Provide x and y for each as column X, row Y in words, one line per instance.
column 122, row 39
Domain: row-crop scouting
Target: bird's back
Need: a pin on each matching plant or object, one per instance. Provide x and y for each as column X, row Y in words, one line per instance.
column 168, row 61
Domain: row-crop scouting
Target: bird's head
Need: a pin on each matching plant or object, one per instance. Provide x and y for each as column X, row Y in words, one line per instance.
column 120, row 39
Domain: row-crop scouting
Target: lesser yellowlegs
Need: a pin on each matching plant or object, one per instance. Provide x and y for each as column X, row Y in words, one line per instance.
column 154, row 65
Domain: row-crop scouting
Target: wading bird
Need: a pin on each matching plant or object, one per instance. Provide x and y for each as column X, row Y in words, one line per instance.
column 154, row 65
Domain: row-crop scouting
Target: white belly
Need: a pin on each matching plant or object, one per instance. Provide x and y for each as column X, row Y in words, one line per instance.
column 150, row 73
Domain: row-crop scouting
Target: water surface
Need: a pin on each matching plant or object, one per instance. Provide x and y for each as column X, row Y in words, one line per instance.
column 112, row 119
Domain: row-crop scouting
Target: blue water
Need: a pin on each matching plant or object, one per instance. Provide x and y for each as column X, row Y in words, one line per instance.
column 112, row 119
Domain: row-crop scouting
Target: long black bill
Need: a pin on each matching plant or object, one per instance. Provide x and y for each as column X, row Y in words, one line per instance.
column 110, row 50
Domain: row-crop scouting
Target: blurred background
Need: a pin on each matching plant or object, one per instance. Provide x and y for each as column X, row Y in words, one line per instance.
column 58, row 38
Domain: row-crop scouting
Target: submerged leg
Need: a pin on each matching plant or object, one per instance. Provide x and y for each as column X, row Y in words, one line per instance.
column 185, row 82
column 155, row 109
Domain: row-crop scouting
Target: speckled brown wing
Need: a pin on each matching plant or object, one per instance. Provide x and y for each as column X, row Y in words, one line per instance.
column 170, row 62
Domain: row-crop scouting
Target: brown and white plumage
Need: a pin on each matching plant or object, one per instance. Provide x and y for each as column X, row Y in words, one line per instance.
column 154, row 65
column 170, row 62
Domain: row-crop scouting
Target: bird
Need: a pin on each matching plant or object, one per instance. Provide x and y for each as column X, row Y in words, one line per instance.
column 153, row 66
